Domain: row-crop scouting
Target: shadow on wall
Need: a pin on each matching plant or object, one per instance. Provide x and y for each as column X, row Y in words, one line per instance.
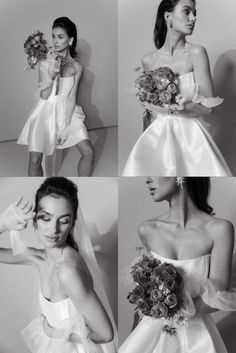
column 225, row 86
column 106, row 246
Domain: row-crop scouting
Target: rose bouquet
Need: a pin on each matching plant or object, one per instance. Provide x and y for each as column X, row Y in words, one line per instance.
column 158, row 291
column 159, row 87
column 35, row 48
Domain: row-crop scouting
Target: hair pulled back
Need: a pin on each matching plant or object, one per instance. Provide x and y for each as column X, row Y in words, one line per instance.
column 198, row 189
column 60, row 186
column 70, row 29
column 160, row 28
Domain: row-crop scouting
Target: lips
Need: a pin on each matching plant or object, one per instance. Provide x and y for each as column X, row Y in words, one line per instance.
column 152, row 190
column 51, row 238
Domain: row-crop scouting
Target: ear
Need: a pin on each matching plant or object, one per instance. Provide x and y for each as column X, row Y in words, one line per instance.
column 167, row 16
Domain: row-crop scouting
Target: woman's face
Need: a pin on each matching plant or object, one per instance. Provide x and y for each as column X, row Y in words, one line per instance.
column 183, row 17
column 60, row 39
column 162, row 188
column 54, row 220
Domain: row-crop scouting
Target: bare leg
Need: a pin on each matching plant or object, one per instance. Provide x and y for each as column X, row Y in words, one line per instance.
column 35, row 164
column 85, row 165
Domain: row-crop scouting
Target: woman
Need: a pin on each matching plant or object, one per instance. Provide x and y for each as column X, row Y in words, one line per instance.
column 176, row 143
column 200, row 246
column 73, row 318
column 56, row 121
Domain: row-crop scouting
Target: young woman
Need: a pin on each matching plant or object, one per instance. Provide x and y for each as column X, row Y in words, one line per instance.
column 73, row 318
column 176, row 143
column 57, row 121
column 200, row 246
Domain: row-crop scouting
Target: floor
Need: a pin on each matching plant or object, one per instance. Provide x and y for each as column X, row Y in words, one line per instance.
column 14, row 158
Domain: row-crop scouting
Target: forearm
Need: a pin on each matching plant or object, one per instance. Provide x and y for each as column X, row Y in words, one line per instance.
column 45, row 92
column 194, row 110
column 202, row 308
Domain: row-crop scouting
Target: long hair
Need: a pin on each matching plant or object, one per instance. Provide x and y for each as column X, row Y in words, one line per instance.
column 198, row 189
column 56, row 187
column 70, row 28
column 160, row 28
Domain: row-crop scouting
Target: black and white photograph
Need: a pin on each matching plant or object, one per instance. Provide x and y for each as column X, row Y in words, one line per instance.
column 58, row 88
column 176, row 88
column 176, row 265
column 58, row 268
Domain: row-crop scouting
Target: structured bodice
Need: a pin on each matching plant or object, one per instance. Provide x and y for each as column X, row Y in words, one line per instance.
column 194, row 271
column 65, row 86
column 58, row 311
column 187, row 86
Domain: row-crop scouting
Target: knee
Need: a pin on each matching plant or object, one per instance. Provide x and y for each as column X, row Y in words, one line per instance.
column 88, row 153
column 35, row 161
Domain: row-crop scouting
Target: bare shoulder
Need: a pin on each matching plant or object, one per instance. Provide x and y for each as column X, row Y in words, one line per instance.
column 78, row 67
column 148, row 59
column 146, row 229
column 73, row 270
column 197, row 52
column 221, row 230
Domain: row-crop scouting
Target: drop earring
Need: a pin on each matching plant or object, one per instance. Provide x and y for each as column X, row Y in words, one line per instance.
column 180, row 181
column 170, row 24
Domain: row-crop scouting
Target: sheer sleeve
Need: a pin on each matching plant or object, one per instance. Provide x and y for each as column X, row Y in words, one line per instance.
column 209, row 102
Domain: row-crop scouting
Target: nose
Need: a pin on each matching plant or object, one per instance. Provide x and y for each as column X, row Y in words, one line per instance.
column 54, row 227
column 149, row 180
column 192, row 17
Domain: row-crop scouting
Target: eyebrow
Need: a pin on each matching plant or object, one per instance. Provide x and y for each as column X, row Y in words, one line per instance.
column 49, row 214
column 189, row 8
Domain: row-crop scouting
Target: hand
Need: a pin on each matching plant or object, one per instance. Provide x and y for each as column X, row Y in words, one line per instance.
column 17, row 215
column 62, row 137
column 54, row 65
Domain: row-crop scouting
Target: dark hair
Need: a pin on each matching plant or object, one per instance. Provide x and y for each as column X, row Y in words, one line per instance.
column 198, row 189
column 60, row 186
column 160, row 28
column 70, row 28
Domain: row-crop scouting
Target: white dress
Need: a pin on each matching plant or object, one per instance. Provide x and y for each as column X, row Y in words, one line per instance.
column 175, row 145
column 199, row 334
column 61, row 315
column 48, row 118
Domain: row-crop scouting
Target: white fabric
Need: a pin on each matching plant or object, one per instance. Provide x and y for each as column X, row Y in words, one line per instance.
column 48, row 118
column 200, row 333
column 177, row 145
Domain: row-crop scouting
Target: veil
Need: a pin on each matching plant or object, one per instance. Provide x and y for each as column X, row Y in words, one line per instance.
column 83, row 240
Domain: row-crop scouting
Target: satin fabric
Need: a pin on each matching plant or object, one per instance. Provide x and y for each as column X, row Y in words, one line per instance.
column 64, row 316
column 175, row 145
column 47, row 121
column 198, row 335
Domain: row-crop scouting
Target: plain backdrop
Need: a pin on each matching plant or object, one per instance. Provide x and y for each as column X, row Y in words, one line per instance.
column 96, row 23
column 215, row 29
column 136, row 205
column 20, row 284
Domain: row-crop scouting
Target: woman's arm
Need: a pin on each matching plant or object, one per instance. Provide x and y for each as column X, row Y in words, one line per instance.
column 221, row 261
column 203, row 81
column 77, row 283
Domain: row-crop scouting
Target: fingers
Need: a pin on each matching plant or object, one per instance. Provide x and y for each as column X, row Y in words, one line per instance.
column 18, row 201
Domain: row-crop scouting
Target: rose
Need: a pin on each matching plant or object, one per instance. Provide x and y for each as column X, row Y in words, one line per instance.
column 170, row 284
column 132, row 298
column 172, row 88
column 169, row 270
column 143, row 306
column 138, row 291
column 149, row 287
column 165, row 97
column 162, row 84
column 171, row 300
column 156, row 295
column 159, row 310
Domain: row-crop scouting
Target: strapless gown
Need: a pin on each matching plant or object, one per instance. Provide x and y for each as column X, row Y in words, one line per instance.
column 48, row 118
column 174, row 145
column 199, row 334
column 61, row 315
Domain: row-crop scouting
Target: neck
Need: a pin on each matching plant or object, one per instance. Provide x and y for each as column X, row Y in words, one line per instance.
column 55, row 255
column 174, row 42
column 182, row 209
column 65, row 54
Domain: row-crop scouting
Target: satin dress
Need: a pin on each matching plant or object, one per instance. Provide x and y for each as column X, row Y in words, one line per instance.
column 199, row 334
column 65, row 317
column 175, row 145
column 48, row 120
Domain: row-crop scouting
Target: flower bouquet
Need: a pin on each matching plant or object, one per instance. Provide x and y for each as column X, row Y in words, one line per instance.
column 159, row 87
column 35, row 48
column 158, row 291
